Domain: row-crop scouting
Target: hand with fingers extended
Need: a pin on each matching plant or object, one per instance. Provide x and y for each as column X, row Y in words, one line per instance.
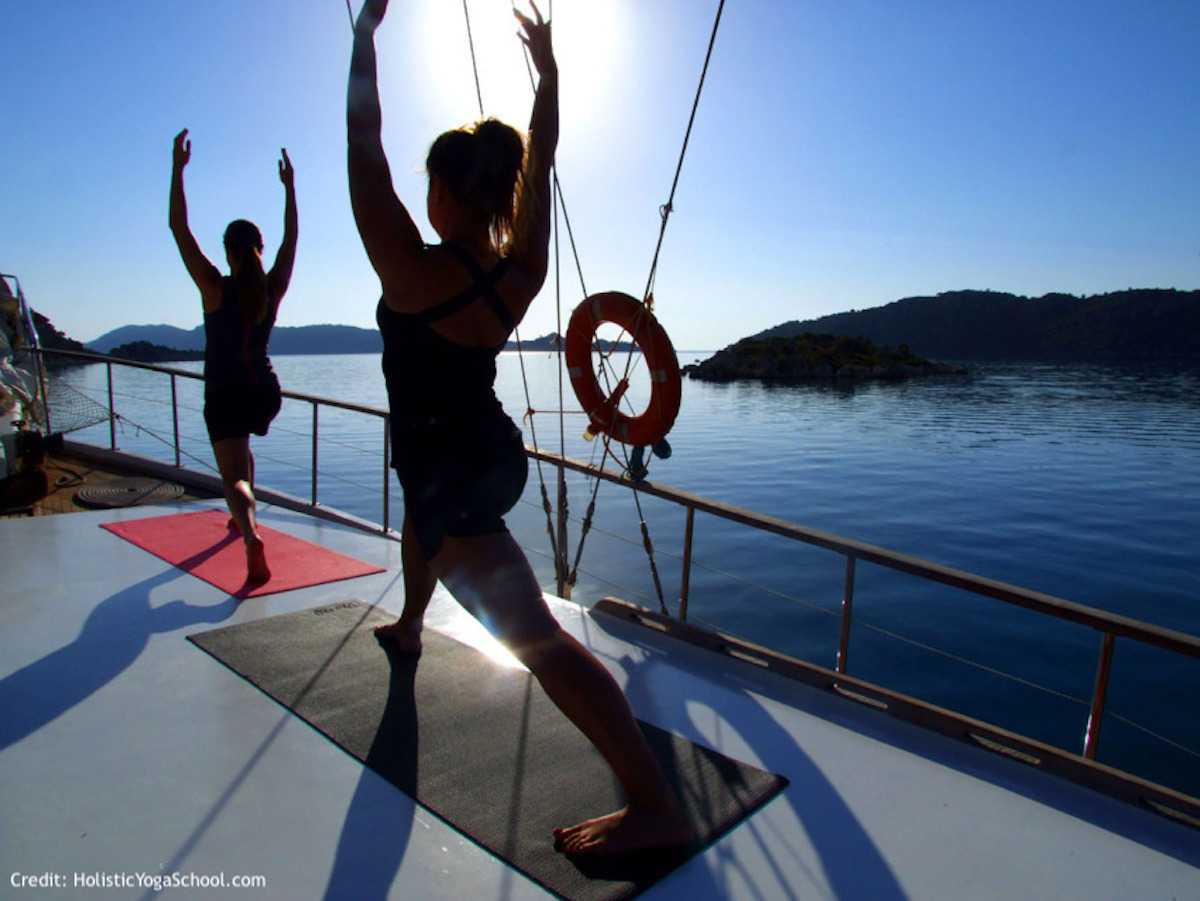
column 183, row 150
column 287, row 174
column 536, row 38
column 371, row 14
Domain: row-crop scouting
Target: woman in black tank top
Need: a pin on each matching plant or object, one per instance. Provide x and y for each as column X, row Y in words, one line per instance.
column 241, row 393
column 446, row 311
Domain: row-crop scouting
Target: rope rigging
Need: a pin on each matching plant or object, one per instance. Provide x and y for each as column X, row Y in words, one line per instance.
column 609, row 422
column 638, row 470
column 633, row 462
column 666, row 209
column 557, row 536
column 474, row 64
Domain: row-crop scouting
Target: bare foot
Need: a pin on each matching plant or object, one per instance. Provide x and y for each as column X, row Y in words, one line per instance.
column 406, row 637
column 256, row 561
column 624, row 831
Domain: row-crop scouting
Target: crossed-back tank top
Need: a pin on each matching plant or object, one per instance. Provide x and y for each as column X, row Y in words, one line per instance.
column 441, row 393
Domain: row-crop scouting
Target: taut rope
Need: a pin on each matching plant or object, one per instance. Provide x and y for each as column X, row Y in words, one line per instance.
column 566, row 574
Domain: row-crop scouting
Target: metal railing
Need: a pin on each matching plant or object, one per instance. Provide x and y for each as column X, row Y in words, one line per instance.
column 1109, row 626
column 176, row 374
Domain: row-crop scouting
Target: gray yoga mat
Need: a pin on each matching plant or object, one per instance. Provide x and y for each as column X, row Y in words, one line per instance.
column 477, row 743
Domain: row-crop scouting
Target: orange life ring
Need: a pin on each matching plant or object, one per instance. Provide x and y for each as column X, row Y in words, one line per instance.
column 653, row 423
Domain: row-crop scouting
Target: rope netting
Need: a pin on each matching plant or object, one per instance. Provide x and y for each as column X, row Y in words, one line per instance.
column 69, row 409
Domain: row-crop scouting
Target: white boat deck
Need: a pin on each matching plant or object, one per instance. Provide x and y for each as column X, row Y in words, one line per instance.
column 136, row 753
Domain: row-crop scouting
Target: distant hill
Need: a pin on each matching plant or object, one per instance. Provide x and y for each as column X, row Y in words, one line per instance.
column 285, row 340
column 302, row 339
column 1146, row 324
column 1136, row 324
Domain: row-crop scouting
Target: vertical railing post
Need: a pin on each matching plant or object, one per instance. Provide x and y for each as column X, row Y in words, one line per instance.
column 847, row 606
column 686, row 578
column 112, row 414
column 562, row 565
column 175, row 418
column 314, row 454
column 386, row 492
column 1098, row 697
column 38, row 360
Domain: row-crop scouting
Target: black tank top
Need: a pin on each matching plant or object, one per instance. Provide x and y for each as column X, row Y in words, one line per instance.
column 235, row 351
column 441, row 393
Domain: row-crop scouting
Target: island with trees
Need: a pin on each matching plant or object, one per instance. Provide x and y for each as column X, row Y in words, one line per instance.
column 810, row 356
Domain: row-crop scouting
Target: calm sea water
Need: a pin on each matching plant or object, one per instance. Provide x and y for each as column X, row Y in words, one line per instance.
column 1081, row 482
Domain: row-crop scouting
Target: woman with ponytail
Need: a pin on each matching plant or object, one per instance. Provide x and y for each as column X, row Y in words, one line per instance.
column 241, row 391
column 446, row 311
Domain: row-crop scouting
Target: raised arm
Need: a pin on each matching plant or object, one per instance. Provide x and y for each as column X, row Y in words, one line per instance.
column 391, row 238
column 206, row 276
column 531, row 243
column 281, row 273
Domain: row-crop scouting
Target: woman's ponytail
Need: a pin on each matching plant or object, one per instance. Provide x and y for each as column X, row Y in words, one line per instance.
column 482, row 167
column 243, row 242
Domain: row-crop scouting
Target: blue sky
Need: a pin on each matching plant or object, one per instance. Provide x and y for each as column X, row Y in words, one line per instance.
column 845, row 154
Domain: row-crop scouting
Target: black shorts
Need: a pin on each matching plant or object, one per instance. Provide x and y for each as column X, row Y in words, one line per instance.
column 464, row 492
column 238, row 412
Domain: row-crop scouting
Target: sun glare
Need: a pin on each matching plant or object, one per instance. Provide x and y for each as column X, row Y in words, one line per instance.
column 585, row 45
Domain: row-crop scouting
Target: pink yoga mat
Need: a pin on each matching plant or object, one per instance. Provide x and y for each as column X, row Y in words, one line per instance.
column 203, row 544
